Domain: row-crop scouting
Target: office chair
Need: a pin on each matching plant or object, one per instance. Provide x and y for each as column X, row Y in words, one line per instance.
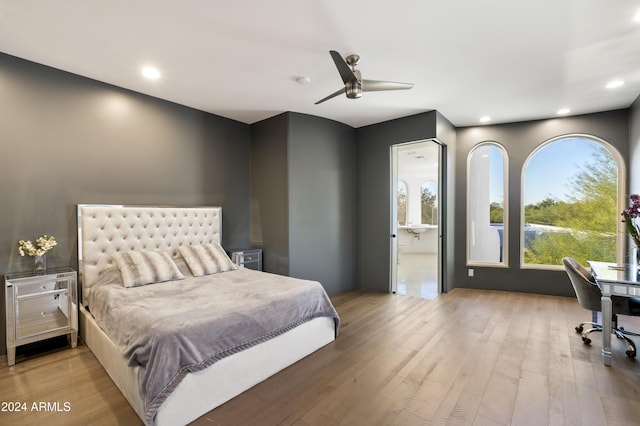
column 589, row 297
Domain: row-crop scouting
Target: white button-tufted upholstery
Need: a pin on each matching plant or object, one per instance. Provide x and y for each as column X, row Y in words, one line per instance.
column 104, row 230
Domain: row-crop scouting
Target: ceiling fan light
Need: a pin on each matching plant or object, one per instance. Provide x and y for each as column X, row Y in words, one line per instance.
column 354, row 89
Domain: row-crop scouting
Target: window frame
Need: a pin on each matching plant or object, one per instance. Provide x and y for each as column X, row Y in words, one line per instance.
column 505, row 204
column 621, row 201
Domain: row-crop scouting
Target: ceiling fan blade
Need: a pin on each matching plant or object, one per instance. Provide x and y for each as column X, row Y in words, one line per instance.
column 333, row 95
column 376, row 85
column 343, row 68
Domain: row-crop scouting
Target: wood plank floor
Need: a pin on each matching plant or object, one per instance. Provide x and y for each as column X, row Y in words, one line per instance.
column 469, row 357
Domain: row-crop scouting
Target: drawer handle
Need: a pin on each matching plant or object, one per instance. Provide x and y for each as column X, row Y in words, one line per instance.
column 43, row 313
column 44, row 287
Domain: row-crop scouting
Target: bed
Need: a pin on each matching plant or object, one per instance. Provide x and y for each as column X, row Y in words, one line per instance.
column 133, row 318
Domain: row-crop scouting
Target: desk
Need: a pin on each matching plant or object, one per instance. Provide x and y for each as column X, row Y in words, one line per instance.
column 613, row 280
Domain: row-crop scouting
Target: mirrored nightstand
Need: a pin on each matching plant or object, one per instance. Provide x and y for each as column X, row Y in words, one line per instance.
column 40, row 306
column 247, row 258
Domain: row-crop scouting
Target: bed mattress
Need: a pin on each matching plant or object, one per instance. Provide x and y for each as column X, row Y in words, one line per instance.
column 173, row 328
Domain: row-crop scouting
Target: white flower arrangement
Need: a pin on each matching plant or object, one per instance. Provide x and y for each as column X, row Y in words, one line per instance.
column 43, row 245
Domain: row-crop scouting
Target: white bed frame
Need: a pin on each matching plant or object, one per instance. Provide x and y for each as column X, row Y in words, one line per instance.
column 104, row 230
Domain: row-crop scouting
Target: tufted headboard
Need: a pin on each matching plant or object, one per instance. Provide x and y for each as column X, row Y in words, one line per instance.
column 106, row 229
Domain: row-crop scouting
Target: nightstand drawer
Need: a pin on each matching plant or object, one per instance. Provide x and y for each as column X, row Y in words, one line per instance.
column 251, row 256
column 41, row 314
column 43, row 286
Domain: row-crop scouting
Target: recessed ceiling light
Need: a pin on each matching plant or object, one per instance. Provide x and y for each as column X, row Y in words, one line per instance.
column 637, row 17
column 564, row 111
column 615, row 83
column 485, row 119
column 151, row 72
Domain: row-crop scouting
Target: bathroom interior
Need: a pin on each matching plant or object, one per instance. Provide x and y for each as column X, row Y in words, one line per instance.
column 417, row 171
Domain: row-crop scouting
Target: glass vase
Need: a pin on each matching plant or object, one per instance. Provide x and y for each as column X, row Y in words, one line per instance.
column 40, row 263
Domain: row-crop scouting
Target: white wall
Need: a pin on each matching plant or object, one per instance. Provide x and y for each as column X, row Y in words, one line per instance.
column 426, row 242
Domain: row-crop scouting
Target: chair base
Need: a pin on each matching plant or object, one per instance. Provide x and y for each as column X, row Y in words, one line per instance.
column 620, row 333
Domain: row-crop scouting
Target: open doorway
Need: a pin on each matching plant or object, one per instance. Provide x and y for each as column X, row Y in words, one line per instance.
column 415, row 204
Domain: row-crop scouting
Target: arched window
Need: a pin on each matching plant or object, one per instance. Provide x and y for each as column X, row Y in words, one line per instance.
column 402, row 203
column 487, row 205
column 571, row 202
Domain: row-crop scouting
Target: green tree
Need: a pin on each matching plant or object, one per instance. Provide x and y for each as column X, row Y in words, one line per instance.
column 402, row 204
column 587, row 223
column 428, row 204
column 594, row 195
column 496, row 213
column 546, row 212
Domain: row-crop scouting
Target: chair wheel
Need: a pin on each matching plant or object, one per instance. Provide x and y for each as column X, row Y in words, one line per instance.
column 631, row 354
column 586, row 340
column 579, row 329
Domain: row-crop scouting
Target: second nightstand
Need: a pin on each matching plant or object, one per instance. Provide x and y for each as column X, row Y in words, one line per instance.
column 40, row 306
column 248, row 258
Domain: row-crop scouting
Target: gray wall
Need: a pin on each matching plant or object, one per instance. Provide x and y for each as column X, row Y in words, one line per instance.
column 303, row 198
column 374, row 186
column 520, row 139
column 68, row 139
column 322, row 201
column 446, row 134
column 269, row 192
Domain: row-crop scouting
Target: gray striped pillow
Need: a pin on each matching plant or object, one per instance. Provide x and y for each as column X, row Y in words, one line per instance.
column 146, row 267
column 206, row 259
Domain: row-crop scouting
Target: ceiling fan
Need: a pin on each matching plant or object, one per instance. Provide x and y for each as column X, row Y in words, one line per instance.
column 354, row 85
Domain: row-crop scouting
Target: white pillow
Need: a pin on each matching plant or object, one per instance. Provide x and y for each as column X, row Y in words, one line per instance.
column 206, row 259
column 146, row 267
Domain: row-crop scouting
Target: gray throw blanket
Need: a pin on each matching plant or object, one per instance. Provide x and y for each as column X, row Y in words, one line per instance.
column 174, row 328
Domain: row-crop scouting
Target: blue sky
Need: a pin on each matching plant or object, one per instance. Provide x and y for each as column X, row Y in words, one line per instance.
column 548, row 170
column 553, row 165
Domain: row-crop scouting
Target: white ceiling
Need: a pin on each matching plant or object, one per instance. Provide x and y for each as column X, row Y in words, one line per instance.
column 418, row 160
column 513, row 60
